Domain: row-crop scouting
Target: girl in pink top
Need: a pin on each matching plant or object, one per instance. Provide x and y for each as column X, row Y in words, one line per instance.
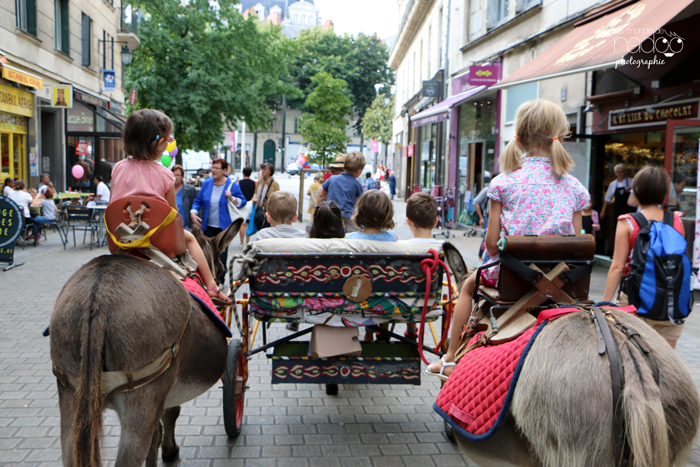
column 146, row 135
column 534, row 195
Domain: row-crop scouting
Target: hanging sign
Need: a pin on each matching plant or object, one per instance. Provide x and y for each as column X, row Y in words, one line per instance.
column 484, row 75
column 11, row 222
column 431, row 88
column 62, row 96
column 375, row 145
column 110, row 81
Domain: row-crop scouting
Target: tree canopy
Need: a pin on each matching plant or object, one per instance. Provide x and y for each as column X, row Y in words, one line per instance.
column 378, row 120
column 362, row 62
column 324, row 127
column 205, row 66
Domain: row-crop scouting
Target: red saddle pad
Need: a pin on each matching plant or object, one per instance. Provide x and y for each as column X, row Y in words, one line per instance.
column 201, row 295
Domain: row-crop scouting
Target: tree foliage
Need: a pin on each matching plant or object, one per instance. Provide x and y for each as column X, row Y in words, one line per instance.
column 378, row 120
column 205, row 66
column 361, row 61
column 324, row 127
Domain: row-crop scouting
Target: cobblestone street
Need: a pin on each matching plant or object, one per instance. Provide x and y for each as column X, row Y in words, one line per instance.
column 284, row 425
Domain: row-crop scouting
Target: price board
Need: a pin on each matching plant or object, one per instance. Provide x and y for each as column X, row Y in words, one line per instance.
column 11, row 223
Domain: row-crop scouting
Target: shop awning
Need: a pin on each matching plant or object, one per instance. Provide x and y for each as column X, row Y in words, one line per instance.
column 441, row 110
column 600, row 43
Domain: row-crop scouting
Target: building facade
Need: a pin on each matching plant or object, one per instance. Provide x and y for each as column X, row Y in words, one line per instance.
column 58, row 105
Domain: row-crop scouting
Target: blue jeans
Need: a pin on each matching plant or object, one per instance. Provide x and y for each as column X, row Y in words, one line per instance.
column 40, row 220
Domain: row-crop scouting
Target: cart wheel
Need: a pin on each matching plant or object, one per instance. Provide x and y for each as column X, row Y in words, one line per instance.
column 332, row 389
column 234, row 388
column 450, row 432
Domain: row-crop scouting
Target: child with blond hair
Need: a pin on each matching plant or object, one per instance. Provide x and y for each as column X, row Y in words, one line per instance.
column 534, row 195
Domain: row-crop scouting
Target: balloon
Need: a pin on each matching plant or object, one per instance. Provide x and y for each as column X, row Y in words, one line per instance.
column 301, row 160
column 77, row 172
column 171, row 146
column 166, row 160
column 173, row 153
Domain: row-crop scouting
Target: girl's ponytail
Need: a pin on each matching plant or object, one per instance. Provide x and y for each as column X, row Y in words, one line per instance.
column 512, row 156
column 562, row 163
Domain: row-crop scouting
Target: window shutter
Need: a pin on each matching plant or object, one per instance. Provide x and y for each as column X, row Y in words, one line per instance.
column 86, row 40
column 491, row 14
column 31, row 16
column 65, row 29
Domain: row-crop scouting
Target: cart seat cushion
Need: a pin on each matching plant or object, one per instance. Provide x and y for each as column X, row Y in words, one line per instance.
column 306, row 276
column 170, row 239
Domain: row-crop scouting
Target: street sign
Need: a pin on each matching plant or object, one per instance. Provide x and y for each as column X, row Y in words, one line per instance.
column 431, row 88
column 11, row 223
column 110, row 77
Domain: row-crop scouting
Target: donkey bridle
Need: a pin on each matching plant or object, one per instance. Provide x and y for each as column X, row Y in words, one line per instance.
column 606, row 344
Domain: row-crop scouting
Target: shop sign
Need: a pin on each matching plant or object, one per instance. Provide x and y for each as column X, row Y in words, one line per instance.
column 13, row 123
column 656, row 115
column 17, row 76
column 62, row 96
column 81, row 119
column 32, row 164
column 10, row 228
column 409, row 150
column 16, row 101
column 431, row 88
column 132, row 97
column 110, row 81
column 82, row 148
column 484, row 75
column 88, row 99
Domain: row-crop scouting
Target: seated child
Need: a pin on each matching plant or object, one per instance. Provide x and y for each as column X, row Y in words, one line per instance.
column 146, row 135
column 327, row 221
column 374, row 214
column 344, row 189
column 421, row 217
column 281, row 212
column 534, row 195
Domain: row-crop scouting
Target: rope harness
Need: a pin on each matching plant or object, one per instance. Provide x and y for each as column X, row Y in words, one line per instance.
column 429, row 267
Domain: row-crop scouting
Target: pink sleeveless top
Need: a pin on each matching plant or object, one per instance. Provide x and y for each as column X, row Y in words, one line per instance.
column 132, row 177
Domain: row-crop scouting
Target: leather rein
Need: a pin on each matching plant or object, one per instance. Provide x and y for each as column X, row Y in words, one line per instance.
column 114, row 382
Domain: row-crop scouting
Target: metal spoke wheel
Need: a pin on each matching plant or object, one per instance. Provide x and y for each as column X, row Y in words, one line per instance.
column 234, row 387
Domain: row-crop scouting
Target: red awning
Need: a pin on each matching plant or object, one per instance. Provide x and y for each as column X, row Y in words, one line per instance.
column 603, row 42
column 441, row 110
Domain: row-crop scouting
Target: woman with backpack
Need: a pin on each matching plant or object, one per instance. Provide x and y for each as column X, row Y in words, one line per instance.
column 651, row 224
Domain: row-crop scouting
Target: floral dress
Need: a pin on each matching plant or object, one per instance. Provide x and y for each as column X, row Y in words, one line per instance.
column 535, row 201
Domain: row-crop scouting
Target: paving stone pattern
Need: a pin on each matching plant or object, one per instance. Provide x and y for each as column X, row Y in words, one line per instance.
column 284, row 425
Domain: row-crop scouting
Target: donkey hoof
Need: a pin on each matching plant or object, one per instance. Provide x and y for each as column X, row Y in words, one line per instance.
column 172, row 456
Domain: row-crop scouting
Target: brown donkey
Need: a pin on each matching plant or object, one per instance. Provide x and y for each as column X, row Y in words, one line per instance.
column 121, row 313
column 562, row 410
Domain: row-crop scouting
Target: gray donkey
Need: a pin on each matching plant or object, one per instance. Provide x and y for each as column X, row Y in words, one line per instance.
column 562, row 410
column 119, row 313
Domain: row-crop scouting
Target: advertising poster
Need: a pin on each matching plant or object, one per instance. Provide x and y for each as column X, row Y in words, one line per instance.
column 62, row 96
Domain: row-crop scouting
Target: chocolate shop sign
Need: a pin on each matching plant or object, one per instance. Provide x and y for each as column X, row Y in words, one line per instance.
column 653, row 115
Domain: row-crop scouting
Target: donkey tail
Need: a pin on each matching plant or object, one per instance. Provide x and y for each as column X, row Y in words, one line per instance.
column 644, row 413
column 88, row 399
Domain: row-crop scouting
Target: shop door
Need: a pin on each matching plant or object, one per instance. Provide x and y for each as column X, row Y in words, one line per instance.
column 681, row 162
column 269, row 149
column 12, row 150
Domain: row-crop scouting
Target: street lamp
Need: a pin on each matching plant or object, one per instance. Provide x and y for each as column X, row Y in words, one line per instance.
column 126, row 55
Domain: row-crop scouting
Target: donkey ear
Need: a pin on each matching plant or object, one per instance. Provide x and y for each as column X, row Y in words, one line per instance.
column 224, row 238
column 455, row 262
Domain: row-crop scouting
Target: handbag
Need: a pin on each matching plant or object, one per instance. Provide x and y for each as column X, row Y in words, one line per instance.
column 234, row 211
column 252, row 230
column 260, row 219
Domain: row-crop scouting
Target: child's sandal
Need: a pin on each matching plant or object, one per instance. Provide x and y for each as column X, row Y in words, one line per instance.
column 219, row 297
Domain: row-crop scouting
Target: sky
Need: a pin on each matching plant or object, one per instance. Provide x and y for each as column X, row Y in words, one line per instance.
column 355, row 16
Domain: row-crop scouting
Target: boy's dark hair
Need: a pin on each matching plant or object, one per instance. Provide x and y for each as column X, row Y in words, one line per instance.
column 422, row 209
column 99, row 178
column 143, row 130
column 650, row 185
column 375, row 210
column 282, row 206
column 247, row 171
column 327, row 222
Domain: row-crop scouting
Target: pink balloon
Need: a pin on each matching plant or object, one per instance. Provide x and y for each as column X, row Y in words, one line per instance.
column 173, row 153
column 77, row 172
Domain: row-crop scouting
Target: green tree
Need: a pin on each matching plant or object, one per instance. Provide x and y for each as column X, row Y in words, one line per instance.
column 324, row 127
column 206, row 67
column 378, row 120
column 362, row 62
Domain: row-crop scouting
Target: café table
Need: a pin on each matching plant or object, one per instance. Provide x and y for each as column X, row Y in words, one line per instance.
column 98, row 216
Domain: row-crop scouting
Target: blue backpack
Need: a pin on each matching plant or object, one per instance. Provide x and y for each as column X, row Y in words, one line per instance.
column 659, row 280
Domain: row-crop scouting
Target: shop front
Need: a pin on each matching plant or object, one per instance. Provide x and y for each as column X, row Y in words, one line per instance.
column 93, row 136
column 16, row 108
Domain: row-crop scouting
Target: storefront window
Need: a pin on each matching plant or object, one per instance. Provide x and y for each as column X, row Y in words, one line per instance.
column 81, row 118
column 427, row 155
column 684, row 169
column 634, row 150
column 111, row 153
column 81, row 148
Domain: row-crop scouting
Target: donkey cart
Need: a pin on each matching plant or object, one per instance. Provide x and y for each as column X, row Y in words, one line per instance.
column 338, row 286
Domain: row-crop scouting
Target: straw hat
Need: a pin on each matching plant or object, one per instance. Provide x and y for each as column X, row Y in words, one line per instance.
column 339, row 162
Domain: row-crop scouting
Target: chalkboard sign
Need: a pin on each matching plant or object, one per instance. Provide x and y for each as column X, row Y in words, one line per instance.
column 11, row 222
